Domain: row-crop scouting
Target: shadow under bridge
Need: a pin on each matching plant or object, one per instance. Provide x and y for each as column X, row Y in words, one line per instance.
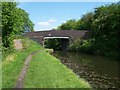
column 64, row 42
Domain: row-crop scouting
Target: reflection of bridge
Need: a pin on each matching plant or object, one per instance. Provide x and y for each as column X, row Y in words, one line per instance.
column 67, row 36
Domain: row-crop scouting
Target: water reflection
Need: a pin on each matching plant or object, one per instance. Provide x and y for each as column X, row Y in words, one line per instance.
column 98, row 71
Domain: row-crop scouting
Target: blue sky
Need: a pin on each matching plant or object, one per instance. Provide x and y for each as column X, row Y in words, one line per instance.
column 48, row 15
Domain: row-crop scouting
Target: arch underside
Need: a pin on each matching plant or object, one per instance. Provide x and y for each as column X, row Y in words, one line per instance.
column 64, row 43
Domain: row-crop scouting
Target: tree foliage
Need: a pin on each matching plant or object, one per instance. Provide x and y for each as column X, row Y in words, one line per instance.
column 104, row 25
column 53, row 43
column 15, row 21
column 87, row 21
column 106, row 29
column 82, row 24
column 0, row 19
column 69, row 25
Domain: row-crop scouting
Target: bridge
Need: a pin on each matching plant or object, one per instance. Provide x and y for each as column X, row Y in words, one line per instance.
column 67, row 36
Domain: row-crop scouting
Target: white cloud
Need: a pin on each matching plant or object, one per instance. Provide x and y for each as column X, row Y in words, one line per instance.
column 47, row 23
column 44, row 23
column 63, row 21
column 51, row 20
column 54, row 27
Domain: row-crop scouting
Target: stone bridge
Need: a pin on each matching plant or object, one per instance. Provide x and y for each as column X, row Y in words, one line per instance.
column 67, row 36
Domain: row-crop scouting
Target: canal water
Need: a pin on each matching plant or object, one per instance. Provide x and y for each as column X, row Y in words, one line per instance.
column 98, row 71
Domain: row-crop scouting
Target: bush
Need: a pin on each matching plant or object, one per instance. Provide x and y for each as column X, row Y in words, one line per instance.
column 53, row 43
column 84, row 46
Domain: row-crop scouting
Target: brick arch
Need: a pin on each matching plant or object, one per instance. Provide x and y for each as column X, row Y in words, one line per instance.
column 72, row 34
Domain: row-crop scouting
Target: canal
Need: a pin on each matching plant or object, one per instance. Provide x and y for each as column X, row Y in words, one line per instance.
column 98, row 71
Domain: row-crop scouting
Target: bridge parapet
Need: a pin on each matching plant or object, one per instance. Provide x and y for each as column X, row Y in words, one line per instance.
column 72, row 34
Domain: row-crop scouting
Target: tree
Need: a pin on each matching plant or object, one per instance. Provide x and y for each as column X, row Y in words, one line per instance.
column 79, row 25
column 69, row 25
column 0, row 27
column 87, row 21
column 106, row 31
column 15, row 21
column 7, row 22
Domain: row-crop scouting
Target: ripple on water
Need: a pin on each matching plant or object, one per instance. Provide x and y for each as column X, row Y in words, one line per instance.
column 89, row 73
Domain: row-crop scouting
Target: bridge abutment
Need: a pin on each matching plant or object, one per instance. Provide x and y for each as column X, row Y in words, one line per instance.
column 64, row 44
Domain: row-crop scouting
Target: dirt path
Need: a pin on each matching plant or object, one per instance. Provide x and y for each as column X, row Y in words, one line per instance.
column 20, row 81
column 18, row 44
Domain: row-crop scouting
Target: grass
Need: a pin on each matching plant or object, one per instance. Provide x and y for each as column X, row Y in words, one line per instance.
column 0, row 63
column 0, row 70
column 13, row 63
column 45, row 71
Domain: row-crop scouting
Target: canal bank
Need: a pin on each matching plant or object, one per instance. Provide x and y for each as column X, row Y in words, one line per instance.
column 46, row 71
column 98, row 71
column 40, row 70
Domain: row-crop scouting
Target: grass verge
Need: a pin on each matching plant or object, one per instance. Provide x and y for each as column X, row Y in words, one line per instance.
column 0, row 63
column 0, row 70
column 13, row 63
column 45, row 71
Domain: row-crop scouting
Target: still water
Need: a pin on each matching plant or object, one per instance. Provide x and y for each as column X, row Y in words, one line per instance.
column 98, row 71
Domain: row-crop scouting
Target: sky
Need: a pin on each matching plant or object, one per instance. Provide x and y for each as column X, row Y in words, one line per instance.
column 49, row 15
